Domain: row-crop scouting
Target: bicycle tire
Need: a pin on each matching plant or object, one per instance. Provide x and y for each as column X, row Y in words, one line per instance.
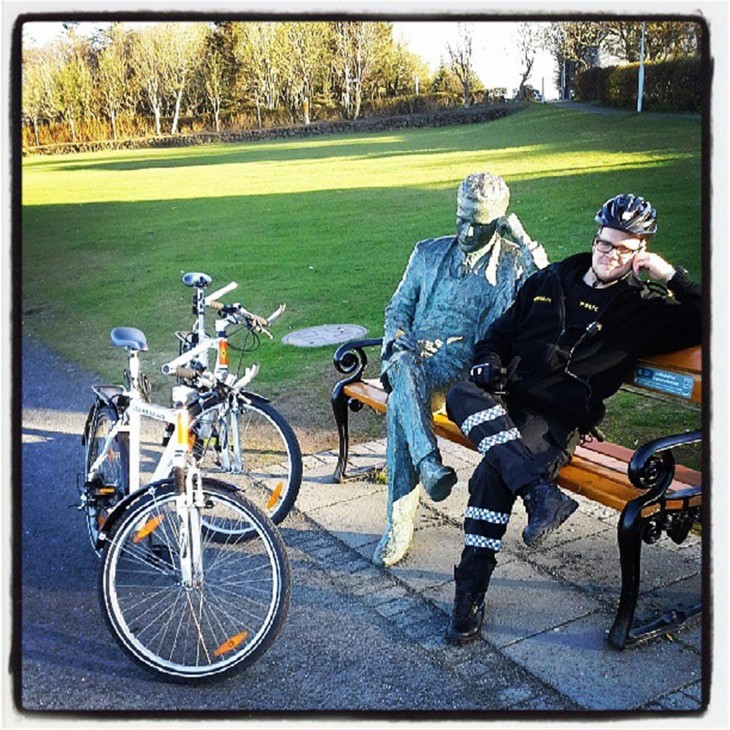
column 199, row 632
column 99, row 497
column 269, row 471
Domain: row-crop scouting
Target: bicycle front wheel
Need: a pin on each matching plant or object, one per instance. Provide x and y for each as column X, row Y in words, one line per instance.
column 257, row 448
column 191, row 630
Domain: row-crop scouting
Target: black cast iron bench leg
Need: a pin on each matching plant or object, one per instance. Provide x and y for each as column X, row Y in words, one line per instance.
column 340, row 410
column 630, row 531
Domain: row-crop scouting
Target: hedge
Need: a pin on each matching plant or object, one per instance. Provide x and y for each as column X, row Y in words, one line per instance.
column 675, row 85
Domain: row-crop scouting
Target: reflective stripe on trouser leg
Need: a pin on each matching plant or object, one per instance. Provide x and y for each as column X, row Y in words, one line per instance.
column 489, row 509
column 487, row 424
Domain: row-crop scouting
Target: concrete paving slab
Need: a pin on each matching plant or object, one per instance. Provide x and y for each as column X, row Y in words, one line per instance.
column 679, row 596
column 522, row 602
column 569, row 560
column 575, row 658
column 357, row 521
column 318, row 493
column 579, row 524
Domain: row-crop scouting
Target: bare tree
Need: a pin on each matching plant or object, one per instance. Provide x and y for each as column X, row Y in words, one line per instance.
column 258, row 55
column 112, row 74
column 663, row 39
column 575, row 47
column 529, row 41
column 37, row 88
column 356, row 48
column 183, row 46
column 461, row 59
column 149, row 58
column 71, row 79
column 214, row 82
column 304, row 41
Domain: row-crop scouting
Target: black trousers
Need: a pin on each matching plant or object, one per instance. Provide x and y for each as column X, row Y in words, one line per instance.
column 519, row 447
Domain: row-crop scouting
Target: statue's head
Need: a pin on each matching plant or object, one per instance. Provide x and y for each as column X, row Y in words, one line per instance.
column 482, row 199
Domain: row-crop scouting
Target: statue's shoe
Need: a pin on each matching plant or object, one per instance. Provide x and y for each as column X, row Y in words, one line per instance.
column 438, row 480
column 396, row 539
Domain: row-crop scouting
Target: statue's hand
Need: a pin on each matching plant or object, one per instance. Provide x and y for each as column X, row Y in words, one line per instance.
column 405, row 341
column 512, row 226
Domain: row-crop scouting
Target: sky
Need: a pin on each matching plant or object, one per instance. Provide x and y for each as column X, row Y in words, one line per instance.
column 495, row 59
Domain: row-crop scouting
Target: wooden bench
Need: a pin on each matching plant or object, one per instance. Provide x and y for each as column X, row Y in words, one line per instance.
column 653, row 494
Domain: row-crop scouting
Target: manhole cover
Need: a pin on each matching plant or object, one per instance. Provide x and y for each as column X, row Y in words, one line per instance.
column 326, row 334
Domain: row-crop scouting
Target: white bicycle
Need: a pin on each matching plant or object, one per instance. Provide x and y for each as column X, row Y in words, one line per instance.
column 195, row 581
column 245, row 437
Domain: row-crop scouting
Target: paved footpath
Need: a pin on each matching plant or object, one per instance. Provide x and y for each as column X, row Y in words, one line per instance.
column 358, row 640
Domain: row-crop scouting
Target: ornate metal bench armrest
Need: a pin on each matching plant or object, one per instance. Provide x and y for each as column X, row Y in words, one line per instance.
column 350, row 358
column 652, row 465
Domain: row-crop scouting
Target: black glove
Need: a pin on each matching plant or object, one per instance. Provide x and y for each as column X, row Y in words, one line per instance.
column 487, row 374
column 491, row 376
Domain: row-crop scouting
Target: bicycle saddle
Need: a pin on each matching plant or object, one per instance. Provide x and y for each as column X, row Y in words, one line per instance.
column 195, row 278
column 129, row 337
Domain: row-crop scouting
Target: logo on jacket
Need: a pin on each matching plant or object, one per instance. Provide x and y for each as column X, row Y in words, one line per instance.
column 540, row 298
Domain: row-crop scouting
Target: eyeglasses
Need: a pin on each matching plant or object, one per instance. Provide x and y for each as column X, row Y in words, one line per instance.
column 623, row 252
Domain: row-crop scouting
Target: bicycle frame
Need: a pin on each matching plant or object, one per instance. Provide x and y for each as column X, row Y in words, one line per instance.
column 130, row 420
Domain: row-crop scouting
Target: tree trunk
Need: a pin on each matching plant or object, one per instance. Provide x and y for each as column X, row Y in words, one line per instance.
column 305, row 110
column 358, row 100
column 35, row 132
column 347, row 91
column 465, row 87
column 258, row 109
column 113, row 118
column 72, row 126
column 176, row 115
column 217, row 113
column 158, row 127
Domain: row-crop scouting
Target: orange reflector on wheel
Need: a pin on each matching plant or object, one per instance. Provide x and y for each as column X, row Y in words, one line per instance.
column 148, row 528
column 231, row 644
column 275, row 495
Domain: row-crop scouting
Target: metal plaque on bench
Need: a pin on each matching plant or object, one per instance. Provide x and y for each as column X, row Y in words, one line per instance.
column 664, row 381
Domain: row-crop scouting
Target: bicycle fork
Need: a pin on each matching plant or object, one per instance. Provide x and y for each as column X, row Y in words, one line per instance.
column 189, row 500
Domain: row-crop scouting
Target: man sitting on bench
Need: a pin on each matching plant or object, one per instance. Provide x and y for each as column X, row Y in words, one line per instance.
column 452, row 289
column 573, row 333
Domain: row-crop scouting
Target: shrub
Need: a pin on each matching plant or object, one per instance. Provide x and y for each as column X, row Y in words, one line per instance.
column 675, row 85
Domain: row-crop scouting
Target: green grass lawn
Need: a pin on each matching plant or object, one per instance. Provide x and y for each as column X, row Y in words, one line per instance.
column 325, row 225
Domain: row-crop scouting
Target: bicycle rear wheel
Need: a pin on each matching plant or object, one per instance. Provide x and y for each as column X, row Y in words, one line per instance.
column 99, row 495
column 258, row 450
column 215, row 627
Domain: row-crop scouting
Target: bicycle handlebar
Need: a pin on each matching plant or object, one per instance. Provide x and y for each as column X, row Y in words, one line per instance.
column 221, row 292
column 237, row 314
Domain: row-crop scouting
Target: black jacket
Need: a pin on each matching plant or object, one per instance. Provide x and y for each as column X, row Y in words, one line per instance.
column 570, row 380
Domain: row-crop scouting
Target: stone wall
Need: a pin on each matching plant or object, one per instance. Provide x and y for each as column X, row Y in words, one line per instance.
column 475, row 114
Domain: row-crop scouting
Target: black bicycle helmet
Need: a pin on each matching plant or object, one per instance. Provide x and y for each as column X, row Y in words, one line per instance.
column 628, row 213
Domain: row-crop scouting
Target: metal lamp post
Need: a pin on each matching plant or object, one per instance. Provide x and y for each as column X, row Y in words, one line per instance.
column 641, row 70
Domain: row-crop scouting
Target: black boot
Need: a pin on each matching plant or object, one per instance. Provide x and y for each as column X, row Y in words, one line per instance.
column 471, row 578
column 547, row 508
column 466, row 618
